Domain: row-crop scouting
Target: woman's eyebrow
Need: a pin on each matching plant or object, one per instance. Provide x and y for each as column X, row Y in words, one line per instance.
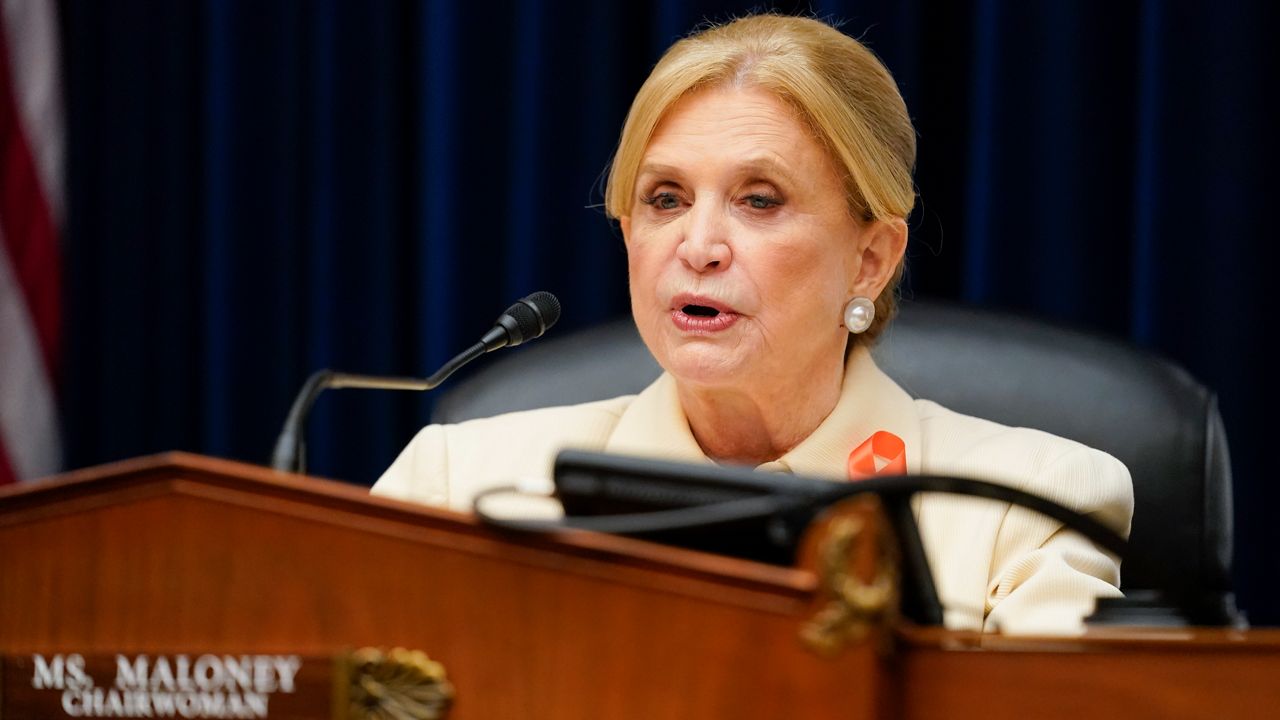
column 761, row 165
column 764, row 165
column 660, row 169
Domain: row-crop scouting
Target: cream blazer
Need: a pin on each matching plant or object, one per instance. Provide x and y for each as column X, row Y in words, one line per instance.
column 996, row 567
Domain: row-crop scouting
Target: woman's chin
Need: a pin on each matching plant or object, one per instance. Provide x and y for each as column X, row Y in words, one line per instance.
column 707, row 365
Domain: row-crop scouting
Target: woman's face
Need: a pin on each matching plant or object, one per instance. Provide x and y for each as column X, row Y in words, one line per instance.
column 741, row 247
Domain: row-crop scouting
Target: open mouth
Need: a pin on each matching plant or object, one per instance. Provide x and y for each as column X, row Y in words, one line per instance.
column 698, row 318
column 700, row 311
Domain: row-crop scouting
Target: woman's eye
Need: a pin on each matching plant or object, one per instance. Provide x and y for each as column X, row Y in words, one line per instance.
column 662, row 201
column 762, row 202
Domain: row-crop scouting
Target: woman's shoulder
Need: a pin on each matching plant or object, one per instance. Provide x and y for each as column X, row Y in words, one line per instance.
column 448, row 464
column 1043, row 463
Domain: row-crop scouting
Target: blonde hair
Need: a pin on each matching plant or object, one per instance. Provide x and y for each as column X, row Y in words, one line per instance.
column 836, row 85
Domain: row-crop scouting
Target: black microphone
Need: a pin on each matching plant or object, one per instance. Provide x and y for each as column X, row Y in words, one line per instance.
column 527, row 319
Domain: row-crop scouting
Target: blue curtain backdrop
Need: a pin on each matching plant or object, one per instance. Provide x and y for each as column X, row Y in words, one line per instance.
column 260, row 189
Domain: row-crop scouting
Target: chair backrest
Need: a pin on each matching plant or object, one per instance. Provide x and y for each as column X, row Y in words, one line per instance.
column 1145, row 411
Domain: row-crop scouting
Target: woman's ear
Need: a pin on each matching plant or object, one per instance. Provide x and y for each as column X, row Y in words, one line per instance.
column 624, row 222
column 880, row 250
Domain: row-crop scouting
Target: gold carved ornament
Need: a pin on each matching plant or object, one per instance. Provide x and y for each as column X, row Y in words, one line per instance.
column 397, row 685
column 854, row 606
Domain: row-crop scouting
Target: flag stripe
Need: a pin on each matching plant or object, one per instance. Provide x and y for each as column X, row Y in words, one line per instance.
column 30, row 213
column 6, row 470
column 28, row 415
column 26, row 221
column 34, row 66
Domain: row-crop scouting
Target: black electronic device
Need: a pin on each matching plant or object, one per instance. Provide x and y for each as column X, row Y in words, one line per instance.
column 734, row 511
column 761, row 516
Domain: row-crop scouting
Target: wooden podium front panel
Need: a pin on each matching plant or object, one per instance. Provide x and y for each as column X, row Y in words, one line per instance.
column 210, row 556
column 187, row 554
column 1128, row 673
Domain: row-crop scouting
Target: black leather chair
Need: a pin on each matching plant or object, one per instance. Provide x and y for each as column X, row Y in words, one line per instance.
column 1145, row 411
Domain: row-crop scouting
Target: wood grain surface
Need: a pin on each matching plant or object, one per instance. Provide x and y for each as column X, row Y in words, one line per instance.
column 181, row 552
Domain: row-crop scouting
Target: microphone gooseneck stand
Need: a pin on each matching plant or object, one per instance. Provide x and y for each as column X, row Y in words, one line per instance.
column 525, row 320
column 672, row 497
column 290, row 453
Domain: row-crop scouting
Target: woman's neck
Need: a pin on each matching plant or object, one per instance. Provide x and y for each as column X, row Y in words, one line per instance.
column 763, row 421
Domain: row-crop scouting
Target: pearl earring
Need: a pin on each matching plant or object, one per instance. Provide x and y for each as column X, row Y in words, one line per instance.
column 858, row 314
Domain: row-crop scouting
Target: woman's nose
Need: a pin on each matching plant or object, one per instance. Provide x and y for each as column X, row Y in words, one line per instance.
column 704, row 247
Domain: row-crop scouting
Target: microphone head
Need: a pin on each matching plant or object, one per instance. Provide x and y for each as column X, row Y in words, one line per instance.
column 547, row 308
column 525, row 320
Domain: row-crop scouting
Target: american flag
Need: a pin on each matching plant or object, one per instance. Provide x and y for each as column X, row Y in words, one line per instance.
column 31, row 143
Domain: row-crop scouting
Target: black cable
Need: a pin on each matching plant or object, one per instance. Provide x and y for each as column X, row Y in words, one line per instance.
column 765, row 505
column 647, row 522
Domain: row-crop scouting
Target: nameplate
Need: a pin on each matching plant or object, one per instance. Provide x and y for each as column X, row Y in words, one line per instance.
column 216, row 685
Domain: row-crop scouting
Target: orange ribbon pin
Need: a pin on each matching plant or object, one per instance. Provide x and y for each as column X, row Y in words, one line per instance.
column 881, row 454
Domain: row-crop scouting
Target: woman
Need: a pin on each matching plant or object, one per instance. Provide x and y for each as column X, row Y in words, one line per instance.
column 762, row 183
